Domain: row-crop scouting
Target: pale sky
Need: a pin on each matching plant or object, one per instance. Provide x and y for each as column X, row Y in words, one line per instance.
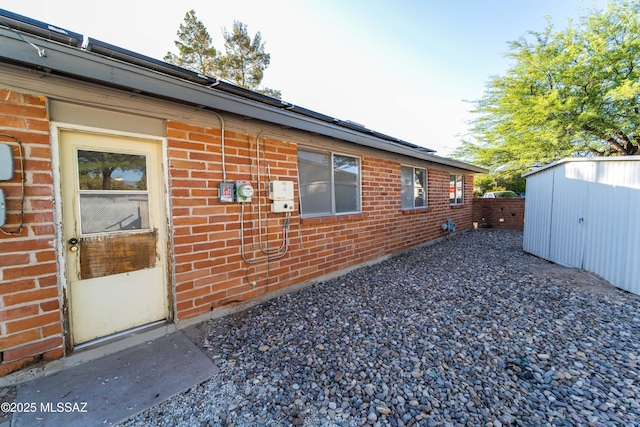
column 400, row 67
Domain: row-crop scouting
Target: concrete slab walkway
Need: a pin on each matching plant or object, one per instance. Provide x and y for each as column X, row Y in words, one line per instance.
column 113, row 388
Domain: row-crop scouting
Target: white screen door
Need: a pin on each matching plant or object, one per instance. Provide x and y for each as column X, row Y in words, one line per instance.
column 114, row 234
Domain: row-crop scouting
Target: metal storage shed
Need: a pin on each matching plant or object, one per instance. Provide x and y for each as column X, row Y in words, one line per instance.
column 583, row 213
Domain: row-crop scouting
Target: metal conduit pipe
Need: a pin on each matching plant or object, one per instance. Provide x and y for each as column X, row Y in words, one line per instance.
column 285, row 241
column 285, row 227
column 224, row 168
column 265, row 251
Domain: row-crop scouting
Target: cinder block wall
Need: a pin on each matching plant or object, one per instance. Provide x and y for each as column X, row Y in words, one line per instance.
column 499, row 213
column 30, row 315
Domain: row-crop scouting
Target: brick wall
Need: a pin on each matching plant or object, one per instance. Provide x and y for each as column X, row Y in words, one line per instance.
column 30, row 316
column 209, row 269
column 499, row 213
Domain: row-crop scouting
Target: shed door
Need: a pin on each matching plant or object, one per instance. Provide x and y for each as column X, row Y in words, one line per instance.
column 568, row 216
column 113, row 218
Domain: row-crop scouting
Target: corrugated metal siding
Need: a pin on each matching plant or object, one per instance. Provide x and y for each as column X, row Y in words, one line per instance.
column 567, row 214
column 537, row 214
column 611, row 233
column 606, row 194
column 631, row 277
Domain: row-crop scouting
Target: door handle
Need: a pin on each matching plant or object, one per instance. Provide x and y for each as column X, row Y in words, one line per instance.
column 73, row 244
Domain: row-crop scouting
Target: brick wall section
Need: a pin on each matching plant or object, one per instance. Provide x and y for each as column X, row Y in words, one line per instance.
column 209, row 269
column 499, row 213
column 30, row 315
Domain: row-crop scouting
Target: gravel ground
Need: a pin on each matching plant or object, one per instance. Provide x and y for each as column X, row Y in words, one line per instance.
column 470, row 331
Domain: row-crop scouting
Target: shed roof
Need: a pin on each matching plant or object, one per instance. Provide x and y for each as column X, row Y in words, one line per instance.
column 54, row 50
column 583, row 159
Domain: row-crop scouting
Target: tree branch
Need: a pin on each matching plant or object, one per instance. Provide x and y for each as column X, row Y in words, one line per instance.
column 617, row 146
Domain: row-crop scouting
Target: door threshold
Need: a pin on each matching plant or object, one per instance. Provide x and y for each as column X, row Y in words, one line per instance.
column 113, row 343
column 118, row 335
column 93, row 350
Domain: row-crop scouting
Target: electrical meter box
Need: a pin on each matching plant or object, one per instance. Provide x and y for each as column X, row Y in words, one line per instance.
column 226, row 192
column 282, row 206
column 6, row 173
column 281, row 190
column 244, row 191
column 6, row 163
column 3, row 209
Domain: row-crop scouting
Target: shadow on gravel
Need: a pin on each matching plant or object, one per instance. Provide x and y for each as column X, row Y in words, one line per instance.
column 469, row 331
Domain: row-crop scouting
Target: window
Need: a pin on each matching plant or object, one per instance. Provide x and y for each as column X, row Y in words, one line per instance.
column 113, row 192
column 414, row 187
column 455, row 189
column 329, row 183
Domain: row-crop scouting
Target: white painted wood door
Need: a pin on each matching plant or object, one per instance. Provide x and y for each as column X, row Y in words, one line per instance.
column 114, row 232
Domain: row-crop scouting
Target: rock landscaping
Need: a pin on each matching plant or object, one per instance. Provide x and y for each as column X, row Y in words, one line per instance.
column 470, row 331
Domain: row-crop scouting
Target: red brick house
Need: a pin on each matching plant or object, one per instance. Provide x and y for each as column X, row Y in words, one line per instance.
column 142, row 195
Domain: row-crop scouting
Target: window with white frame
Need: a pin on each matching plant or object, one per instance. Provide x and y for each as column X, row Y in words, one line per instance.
column 456, row 187
column 414, row 187
column 329, row 183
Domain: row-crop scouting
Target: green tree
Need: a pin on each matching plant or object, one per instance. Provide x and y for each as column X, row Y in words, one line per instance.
column 244, row 60
column 499, row 180
column 195, row 51
column 242, row 64
column 96, row 167
column 568, row 93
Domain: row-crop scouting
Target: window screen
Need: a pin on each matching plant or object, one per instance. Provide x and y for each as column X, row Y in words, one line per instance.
column 329, row 183
column 113, row 192
column 456, row 188
column 414, row 187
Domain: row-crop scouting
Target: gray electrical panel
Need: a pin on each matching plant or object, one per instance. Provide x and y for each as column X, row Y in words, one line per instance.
column 6, row 162
column 6, row 173
column 3, row 209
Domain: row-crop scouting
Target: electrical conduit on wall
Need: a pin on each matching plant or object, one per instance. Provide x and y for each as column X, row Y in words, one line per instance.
column 282, row 250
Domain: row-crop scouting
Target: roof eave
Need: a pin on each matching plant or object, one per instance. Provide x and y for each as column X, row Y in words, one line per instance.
column 87, row 66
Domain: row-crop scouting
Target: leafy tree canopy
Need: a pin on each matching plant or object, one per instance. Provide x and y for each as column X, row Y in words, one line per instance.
column 568, row 93
column 96, row 169
column 195, row 51
column 243, row 62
